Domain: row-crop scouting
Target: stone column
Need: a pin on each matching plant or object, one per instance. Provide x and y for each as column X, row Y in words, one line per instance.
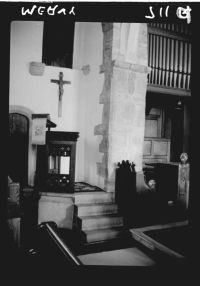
column 123, row 120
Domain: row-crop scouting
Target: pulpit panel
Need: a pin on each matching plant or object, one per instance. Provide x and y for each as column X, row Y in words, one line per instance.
column 55, row 171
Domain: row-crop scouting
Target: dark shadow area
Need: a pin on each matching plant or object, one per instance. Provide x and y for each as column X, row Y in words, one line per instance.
column 58, row 41
column 154, row 205
column 177, row 238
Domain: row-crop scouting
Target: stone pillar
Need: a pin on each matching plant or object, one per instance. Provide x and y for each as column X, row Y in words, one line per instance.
column 123, row 119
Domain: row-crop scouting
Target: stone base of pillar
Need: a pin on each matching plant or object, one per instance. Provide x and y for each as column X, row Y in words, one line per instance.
column 109, row 186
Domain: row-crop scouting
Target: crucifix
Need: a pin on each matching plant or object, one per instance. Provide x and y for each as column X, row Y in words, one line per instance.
column 60, row 83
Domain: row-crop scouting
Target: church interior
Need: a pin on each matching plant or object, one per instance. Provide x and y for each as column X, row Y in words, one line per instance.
column 100, row 122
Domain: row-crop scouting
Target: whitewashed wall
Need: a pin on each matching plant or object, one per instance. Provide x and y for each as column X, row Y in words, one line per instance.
column 88, row 50
column 81, row 109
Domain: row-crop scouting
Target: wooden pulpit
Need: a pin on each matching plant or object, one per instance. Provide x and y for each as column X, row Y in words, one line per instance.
column 55, row 168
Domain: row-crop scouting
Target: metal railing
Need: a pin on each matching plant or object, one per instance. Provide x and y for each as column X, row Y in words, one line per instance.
column 52, row 235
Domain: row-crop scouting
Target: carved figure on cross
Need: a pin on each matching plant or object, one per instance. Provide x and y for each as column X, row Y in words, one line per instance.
column 60, row 83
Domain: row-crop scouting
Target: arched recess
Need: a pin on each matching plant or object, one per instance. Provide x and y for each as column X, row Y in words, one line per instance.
column 27, row 113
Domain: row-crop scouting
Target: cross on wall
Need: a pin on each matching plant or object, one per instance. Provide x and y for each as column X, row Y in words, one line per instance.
column 60, row 83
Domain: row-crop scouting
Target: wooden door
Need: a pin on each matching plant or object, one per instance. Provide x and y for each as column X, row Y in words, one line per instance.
column 18, row 148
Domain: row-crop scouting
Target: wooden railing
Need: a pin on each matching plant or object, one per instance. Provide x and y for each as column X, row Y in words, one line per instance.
column 169, row 56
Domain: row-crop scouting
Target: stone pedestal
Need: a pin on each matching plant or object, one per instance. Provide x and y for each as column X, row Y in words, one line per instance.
column 56, row 207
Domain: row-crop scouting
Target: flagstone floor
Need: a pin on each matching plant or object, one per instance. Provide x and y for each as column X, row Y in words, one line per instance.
column 122, row 257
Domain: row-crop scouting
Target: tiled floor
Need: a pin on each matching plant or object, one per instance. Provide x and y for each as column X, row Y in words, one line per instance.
column 123, row 257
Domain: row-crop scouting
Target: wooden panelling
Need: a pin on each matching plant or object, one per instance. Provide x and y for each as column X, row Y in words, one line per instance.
column 151, row 128
column 160, row 148
column 147, row 148
column 156, row 150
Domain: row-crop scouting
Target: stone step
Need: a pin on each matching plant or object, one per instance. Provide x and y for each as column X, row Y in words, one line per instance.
column 96, row 209
column 98, row 235
column 99, row 221
column 93, row 197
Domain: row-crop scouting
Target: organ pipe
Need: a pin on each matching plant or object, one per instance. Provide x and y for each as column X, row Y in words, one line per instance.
column 180, row 64
column 164, row 61
column 160, row 59
column 176, row 63
column 151, row 56
column 170, row 61
column 189, row 65
column 185, row 65
column 157, row 58
column 153, row 60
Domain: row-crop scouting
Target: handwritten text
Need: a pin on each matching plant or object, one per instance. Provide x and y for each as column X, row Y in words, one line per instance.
column 181, row 12
column 50, row 10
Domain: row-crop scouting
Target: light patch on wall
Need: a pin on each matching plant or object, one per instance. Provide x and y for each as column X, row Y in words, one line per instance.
column 39, row 131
